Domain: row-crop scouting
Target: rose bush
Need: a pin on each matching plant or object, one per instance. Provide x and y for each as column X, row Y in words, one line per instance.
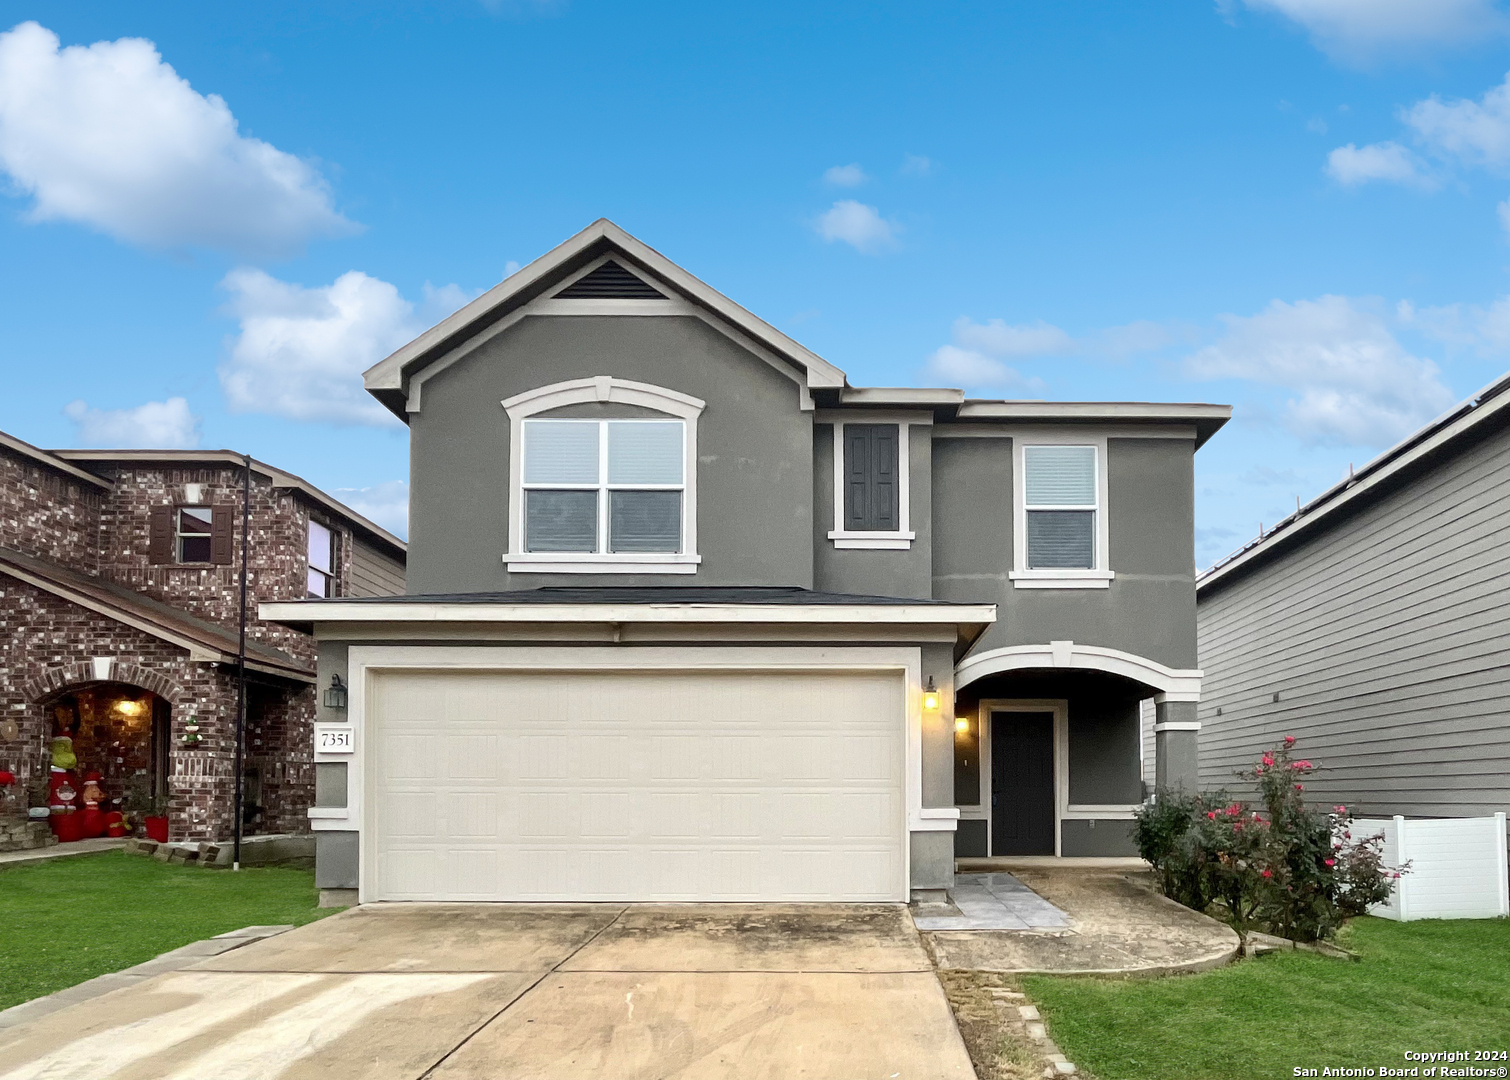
column 1285, row 868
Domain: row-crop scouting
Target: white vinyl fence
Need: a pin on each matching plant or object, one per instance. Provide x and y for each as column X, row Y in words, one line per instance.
column 1457, row 867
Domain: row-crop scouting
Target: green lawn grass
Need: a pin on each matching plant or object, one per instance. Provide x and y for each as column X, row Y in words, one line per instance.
column 68, row 920
column 1429, row 985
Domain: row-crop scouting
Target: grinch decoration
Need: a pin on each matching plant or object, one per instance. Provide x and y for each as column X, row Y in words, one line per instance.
column 62, row 790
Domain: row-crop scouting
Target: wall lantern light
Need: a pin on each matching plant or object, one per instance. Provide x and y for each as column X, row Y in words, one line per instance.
column 931, row 696
column 962, row 725
column 129, row 708
column 335, row 695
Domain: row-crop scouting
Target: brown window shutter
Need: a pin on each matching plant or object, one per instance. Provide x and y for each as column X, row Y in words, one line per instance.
column 222, row 534
column 160, row 535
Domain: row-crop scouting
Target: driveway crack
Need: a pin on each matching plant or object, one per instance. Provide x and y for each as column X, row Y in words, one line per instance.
column 430, row 1072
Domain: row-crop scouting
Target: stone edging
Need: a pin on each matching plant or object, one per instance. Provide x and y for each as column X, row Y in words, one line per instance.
column 173, row 960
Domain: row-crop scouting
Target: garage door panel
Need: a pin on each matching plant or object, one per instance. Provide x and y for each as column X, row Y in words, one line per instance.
column 714, row 785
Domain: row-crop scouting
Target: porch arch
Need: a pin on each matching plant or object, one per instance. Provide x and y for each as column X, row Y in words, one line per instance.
column 98, row 669
column 1172, row 684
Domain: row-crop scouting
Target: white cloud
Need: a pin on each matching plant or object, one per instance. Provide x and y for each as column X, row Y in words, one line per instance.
column 1353, row 383
column 110, row 136
column 156, row 425
column 954, row 366
column 1473, row 132
column 997, row 338
column 858, row 225
column 1357, row 30
column 845, row 176
column 1350, row 165
column 301, row 352
column 387, row 504
column 1485, row 329
column 916, row 165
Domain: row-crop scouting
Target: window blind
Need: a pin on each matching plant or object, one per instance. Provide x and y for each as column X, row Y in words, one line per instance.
column 561, row 520
column 644, row 520
column 560, row 452
column 645, row 452
column 1060, row 475
column 1062, row 539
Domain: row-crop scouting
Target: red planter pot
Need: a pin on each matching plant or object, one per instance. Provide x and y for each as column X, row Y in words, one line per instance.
column 157, row 829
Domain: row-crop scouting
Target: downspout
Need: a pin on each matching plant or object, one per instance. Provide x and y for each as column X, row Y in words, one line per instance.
column 246, row 520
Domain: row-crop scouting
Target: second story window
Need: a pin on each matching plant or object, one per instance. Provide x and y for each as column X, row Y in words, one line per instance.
column 1060, row 500
column 193, row 534
column 603, row 486
column 323, row 562
column 1060, row 533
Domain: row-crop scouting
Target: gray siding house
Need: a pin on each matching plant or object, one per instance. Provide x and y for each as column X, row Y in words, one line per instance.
column 1374, row 625
column 688, row 617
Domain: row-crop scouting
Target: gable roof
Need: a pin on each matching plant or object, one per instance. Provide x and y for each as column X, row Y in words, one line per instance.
column 205, row 641
column 280, row 479
column 388, row 380
column 51, row 461
column 1435, row 442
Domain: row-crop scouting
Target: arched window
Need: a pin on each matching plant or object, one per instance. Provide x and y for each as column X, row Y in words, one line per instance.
column 603, row 494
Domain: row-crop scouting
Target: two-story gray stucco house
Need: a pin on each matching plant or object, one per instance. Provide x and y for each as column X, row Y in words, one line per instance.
column 692, row 618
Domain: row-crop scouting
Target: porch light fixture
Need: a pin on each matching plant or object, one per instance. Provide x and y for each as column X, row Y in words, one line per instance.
column 931, row 696
column 128, row 708
column 335, row 694
column 962, row 725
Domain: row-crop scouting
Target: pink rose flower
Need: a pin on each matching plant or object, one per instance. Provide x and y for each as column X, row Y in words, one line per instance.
column 1300, row 787
column 1268, row 759
column 1268, row 873
column 1289, row 740
column 1330, row 862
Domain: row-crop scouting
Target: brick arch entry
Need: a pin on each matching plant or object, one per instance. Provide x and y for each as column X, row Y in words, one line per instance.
column 59, row 680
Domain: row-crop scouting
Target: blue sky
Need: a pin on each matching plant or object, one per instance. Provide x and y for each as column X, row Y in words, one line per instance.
column 212, row 219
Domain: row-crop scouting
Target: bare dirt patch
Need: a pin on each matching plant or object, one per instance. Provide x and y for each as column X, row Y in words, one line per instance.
column 986, row 1007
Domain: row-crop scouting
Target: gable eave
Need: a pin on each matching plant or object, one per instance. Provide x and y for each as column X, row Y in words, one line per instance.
column 388, row 379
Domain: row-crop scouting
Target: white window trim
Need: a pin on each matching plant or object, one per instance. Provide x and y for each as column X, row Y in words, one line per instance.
column 1064, row 810
column 1021, row 576
column 531, row 403
column 902, row 537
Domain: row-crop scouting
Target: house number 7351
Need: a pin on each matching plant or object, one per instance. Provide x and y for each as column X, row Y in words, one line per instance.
column 333, row 740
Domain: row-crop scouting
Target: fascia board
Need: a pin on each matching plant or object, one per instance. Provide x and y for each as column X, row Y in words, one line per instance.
column 1309, row 521
column 1093, row 410
column 388, row 374
column 329, row 612
column 277, row 476
column 52, row 460
column 925, row 397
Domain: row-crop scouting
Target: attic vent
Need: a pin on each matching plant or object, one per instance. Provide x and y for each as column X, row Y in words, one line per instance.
column 609, row 282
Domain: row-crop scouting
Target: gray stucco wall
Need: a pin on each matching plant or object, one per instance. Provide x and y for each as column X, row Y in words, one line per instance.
column 1149, row 609
column 755, row 446
column 1387, row 640
column 874, row 573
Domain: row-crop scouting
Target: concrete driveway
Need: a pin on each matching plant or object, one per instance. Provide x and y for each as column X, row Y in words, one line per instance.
column 522, row 991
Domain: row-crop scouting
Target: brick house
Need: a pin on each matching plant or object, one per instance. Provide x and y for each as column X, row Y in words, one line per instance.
column 119, row 608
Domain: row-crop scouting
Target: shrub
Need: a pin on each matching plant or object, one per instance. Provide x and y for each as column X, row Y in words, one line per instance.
column 1288, row 869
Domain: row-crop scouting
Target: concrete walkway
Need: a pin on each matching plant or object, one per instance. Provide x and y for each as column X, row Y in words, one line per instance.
column 465, row 992
column 60, row 851
column 995, row 902
column 1116, row 924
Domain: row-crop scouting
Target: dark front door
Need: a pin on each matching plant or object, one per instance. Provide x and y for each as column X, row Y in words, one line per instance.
column 1022, row 783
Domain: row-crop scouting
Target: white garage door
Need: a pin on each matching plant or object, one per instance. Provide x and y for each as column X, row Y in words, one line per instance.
column 655, row 785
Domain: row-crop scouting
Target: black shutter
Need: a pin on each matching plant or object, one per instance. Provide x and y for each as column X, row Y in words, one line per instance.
column 160, row 536
column 222, row 534
column 872, row 478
